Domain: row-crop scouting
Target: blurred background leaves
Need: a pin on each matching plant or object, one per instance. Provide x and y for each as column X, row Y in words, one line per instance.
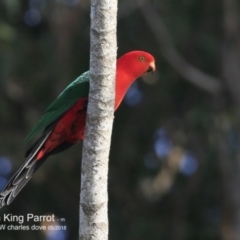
column 175, row 158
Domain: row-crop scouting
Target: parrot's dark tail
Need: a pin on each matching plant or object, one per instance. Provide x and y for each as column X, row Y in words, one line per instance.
column 23, row 175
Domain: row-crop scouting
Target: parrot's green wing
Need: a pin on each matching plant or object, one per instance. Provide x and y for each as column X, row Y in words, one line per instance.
column 77, row 89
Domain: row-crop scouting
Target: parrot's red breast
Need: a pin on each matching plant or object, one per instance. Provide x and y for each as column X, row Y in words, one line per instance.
column 70, row 128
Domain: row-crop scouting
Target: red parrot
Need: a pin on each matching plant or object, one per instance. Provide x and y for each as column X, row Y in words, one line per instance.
column 63, row 123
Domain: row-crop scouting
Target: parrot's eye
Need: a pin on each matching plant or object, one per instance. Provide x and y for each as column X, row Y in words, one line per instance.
column 141, row 58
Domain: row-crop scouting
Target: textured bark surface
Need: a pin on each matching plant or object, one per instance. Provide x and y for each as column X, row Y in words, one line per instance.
column 96, row 146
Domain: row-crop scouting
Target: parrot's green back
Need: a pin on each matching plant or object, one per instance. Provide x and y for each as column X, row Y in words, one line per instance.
column 79, row 88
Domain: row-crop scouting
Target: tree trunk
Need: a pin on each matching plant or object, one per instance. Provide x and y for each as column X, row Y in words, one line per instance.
column 94, row 197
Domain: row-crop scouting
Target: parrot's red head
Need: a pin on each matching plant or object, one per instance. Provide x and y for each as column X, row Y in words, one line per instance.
column 136, row 63
column 131, row 66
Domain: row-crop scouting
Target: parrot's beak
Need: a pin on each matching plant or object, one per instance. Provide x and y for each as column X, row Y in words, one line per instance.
column 151, row 67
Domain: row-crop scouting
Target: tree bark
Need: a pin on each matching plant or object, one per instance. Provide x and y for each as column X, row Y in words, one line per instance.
column 94, row 197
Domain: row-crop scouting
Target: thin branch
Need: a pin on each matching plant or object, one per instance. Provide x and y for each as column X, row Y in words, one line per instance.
column 172, row 56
